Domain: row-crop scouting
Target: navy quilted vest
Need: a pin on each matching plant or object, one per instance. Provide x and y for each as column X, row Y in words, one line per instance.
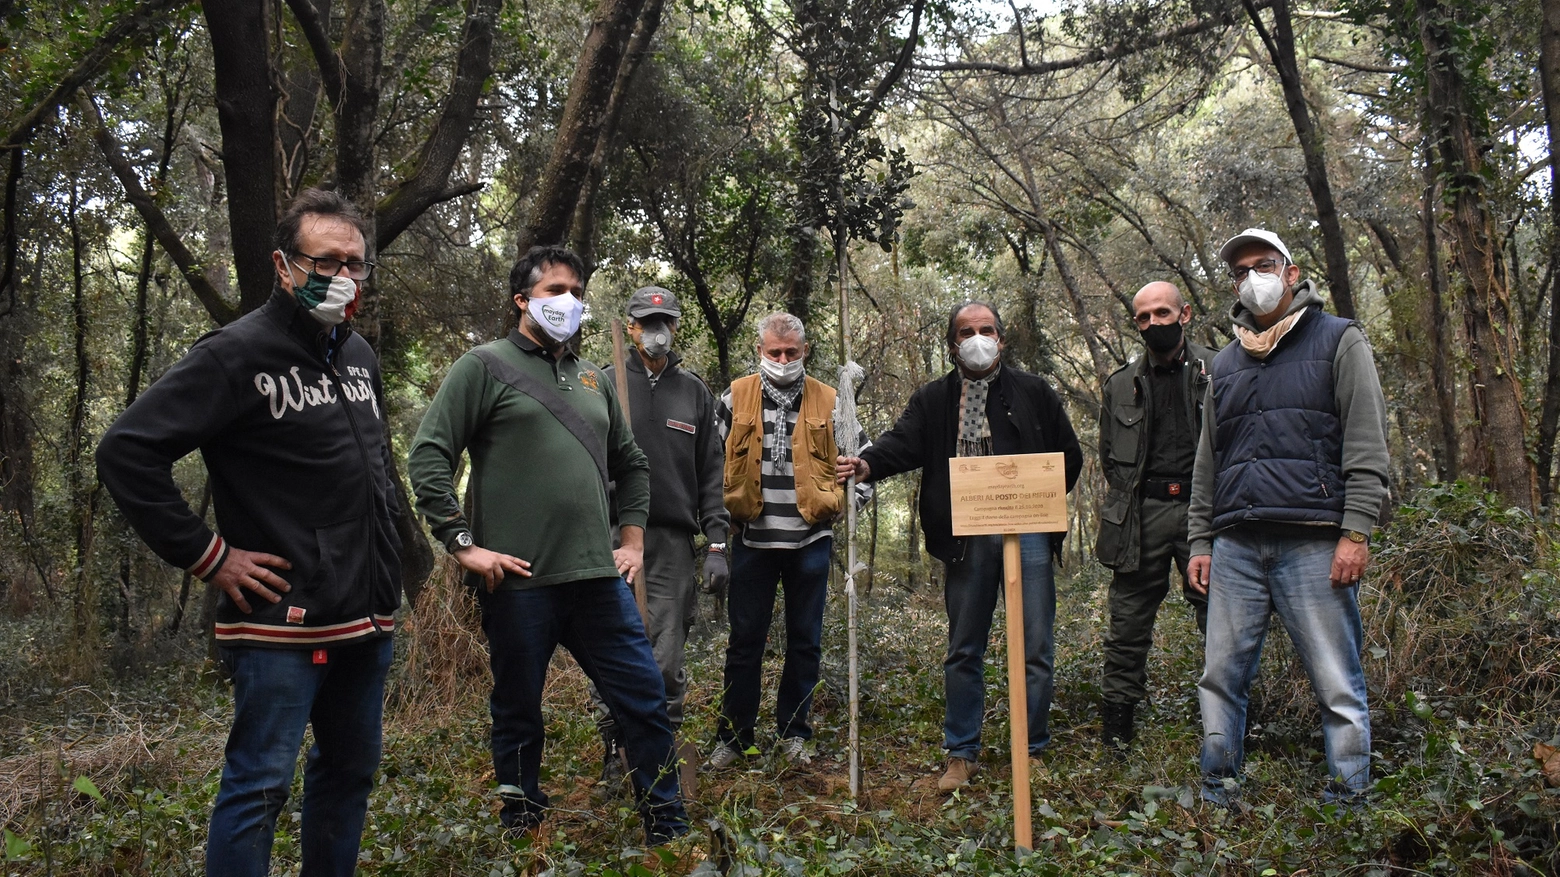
column 1278, row 442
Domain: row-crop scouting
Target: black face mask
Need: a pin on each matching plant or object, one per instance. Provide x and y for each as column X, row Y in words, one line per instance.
column 1162, row 339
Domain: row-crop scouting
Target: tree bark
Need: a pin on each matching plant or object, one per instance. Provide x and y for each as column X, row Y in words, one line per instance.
column 1462, row 137
column 1549, row 77
column 583, row 120
column 1449, row 456
column 1280, row 45
column 247, row 99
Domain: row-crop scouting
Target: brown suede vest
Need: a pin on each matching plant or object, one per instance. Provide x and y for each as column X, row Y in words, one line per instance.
column 818, row 496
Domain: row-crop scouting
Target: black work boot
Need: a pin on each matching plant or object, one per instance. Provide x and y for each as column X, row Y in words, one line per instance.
column 1116, row 731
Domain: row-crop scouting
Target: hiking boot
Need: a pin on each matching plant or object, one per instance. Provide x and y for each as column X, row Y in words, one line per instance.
column 726, row 754
column 958, row 774
column 1116, row 726
column 793, row 750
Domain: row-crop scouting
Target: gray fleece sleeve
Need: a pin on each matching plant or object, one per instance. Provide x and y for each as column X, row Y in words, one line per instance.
column 1199, row 517
column 1362, row 410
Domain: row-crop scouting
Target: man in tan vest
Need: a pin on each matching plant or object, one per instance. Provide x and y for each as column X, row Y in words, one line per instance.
column 778, row 427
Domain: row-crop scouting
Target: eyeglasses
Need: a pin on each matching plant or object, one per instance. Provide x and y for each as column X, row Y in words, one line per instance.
column 1266, row 266
column 357, row 269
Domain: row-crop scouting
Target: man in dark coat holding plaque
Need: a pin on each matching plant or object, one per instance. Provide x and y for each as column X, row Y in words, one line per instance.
column 980, row 408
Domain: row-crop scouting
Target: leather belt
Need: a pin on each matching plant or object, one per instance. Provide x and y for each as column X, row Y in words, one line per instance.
column 1167, row 488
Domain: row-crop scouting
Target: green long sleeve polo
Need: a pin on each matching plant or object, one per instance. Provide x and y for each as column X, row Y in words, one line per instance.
column 535, row 491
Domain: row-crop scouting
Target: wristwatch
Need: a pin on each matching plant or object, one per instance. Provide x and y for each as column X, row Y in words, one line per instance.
column 1357, row 537
column 461, row 539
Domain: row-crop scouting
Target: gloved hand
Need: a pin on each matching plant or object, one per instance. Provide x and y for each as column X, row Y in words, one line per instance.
column 716, row 573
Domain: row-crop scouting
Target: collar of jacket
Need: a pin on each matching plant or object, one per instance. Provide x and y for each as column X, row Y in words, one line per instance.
column 294, row 319
column 635, row 363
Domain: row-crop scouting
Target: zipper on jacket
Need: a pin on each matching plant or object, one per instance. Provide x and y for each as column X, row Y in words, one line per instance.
column 357, row 435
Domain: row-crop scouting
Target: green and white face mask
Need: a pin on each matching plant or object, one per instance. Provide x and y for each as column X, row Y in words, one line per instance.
column 329, row 300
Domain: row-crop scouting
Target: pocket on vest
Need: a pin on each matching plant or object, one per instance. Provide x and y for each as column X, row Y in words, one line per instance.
column 1124, row 444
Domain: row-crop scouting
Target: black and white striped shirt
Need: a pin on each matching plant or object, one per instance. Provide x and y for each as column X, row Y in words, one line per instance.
column 780, row 524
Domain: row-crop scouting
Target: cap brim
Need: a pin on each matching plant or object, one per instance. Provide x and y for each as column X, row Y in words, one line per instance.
column 636, row 313
column 1231, row 246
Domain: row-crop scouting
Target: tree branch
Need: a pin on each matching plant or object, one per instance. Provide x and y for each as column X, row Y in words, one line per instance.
column 132, row 24
column 220, row 310
column 891, row 78
column 427, row 184
column 1355, row 65
column 1093, row 56
column 331, row 73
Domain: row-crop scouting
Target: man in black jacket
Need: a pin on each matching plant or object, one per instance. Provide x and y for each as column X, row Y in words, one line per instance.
column 982, row 407
column 1150, row 417
column 673, row 417
column 286, row 408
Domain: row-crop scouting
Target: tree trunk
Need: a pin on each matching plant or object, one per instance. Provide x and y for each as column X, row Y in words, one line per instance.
column 1500, row 421
column 247, row 98
column 584, row 117
column 1549, row 76
column 582, row 228
column 1280, row 44
column 1449, row 456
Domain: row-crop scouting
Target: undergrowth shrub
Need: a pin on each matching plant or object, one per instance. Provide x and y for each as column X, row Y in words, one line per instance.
column 1461, row 600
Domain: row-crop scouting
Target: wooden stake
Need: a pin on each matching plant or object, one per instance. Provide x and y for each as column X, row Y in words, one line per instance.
column 1018, row 694
column 620, row 370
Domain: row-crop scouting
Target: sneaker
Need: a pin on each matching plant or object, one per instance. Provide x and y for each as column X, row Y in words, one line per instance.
column 726, row 754
column 793, row 750
column 958, row 774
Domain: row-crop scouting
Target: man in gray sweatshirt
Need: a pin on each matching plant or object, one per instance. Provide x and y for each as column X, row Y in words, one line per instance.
column 673, row 417
column 1290, row 478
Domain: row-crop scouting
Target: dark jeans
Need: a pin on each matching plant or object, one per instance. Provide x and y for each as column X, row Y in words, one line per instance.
column 974, row 583
column 755, row 573
column 276, row 694
column 597, row 621
column 1135, row 598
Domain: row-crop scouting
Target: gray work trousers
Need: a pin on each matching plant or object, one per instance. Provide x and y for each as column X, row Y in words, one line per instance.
column 1135, row 597
column 671, row 596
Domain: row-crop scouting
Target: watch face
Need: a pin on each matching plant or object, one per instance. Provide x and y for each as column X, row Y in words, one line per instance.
column 463, row 539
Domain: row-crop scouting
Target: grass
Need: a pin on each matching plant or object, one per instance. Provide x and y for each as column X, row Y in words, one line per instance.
column 1458, row 793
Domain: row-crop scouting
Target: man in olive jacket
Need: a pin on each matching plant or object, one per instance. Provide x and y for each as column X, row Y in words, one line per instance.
column 1149, row 422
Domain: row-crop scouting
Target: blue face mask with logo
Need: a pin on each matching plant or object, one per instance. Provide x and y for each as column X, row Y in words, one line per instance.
column 558, row 316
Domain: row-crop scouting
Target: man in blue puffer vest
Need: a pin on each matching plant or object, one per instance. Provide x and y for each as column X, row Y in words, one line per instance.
column 1290, row 478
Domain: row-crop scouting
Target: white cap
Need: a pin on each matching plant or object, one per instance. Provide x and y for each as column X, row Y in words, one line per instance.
column 1253, row 236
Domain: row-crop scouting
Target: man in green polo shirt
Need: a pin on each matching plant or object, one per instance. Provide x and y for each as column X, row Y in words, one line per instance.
column 545, row 432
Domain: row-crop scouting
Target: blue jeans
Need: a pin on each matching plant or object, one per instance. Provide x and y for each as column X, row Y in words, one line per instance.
column 597, row 621
column 974, row 583
column 750, row 604
column 1255, row 572
column 276, row 694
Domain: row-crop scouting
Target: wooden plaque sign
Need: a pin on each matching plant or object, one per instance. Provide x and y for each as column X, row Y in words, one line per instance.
column 1014, row 493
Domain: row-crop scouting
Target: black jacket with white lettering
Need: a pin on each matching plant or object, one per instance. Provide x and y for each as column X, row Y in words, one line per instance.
column 294, row 445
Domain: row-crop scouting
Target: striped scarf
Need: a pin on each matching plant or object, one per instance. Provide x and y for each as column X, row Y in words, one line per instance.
column 974, row 428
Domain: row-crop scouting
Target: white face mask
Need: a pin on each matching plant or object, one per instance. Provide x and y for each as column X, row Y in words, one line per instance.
column 558, row 316
column 1260, row 293
column 781, row 374
column 978, row 352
